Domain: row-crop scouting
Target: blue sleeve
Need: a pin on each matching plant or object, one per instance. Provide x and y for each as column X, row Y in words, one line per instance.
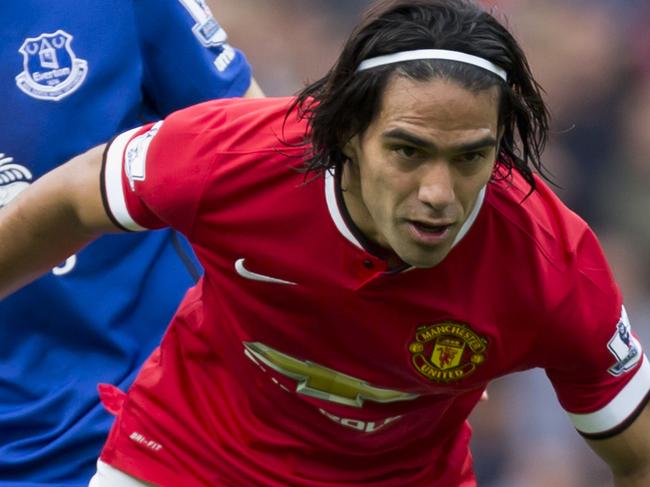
column 186, row 55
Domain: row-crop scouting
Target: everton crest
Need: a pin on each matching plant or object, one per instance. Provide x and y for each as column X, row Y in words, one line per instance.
column 447, row 352
column 52, row 71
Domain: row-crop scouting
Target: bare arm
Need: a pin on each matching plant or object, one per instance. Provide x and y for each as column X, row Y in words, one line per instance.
column 52, row 219
column 628, row 453
column 254, row 90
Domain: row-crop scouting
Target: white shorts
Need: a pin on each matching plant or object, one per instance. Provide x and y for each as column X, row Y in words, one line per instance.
column 108, row 476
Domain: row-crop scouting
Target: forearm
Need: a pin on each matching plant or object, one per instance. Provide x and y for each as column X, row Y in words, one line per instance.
column 254, row 90
column 33, row 240
column 51, row 220
column 628, row 453
column 632, row 466
column 639, row 478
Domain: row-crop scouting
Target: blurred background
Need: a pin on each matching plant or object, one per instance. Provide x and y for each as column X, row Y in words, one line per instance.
column 593, row 59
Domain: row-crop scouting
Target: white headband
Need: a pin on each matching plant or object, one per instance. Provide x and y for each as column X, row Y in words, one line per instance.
column 418, row 54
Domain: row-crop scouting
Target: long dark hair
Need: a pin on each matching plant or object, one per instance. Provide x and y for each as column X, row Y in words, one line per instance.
column 344, row 102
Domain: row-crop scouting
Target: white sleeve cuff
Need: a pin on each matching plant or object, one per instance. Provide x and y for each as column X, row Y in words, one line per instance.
column 113, row 167
column 619, row 409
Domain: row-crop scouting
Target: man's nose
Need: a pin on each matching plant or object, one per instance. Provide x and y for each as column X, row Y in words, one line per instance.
column 437, row 185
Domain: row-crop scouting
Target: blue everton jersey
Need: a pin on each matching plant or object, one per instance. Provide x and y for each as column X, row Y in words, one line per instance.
column 73, row 74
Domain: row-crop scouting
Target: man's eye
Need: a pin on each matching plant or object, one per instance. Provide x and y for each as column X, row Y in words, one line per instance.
column 470, row 157
column 407, row 152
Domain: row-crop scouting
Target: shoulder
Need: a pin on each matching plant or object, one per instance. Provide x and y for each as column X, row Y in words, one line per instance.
column 237, row 126
column 538, row 218
column 559, row 258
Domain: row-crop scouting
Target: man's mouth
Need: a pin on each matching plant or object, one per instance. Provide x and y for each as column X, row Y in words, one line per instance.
column 429, row 233
column 429, row 228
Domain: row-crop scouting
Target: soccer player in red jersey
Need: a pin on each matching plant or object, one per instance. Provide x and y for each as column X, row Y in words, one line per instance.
column 376, row 251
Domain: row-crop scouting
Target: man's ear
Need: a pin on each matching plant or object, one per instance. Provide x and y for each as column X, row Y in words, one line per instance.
column 351, row 149
column 499, row 139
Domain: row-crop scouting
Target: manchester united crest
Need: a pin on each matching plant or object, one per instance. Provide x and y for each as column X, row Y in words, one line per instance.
column 447, row 352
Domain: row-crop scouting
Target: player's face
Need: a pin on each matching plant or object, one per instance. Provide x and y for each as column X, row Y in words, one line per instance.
column 414, row 175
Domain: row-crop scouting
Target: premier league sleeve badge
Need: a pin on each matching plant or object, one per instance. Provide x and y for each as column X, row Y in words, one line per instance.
column 624, row 347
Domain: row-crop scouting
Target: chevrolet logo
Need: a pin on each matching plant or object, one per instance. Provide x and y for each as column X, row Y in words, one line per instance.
column 322, row 382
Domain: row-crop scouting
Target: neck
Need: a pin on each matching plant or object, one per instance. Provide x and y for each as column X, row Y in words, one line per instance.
column 360, row 217
column 356, row 208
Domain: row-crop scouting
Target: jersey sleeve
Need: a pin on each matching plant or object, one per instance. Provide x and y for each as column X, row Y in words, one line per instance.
column 153, row 176
column 186, row 54
column 594, row 360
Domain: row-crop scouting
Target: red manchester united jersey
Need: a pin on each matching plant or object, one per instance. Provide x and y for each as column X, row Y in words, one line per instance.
column 300, row 359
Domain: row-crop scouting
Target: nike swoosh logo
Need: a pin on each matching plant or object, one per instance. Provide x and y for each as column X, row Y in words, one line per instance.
column 242, row 271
